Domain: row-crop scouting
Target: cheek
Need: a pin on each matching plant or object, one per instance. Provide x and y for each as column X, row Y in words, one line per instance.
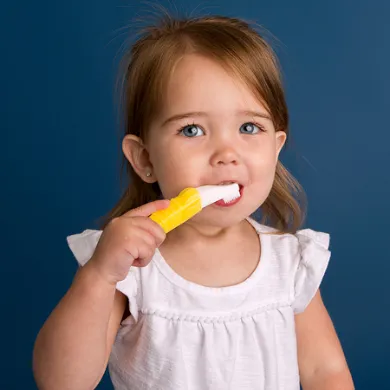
column 175, row 169
column 175, row 162
column 263, row 160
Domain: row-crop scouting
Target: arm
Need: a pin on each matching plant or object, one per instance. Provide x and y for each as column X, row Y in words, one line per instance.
column 322, row 365
column 73, row 346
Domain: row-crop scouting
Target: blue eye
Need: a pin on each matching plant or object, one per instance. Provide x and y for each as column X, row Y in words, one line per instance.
column 250, row 128
column 191, row 131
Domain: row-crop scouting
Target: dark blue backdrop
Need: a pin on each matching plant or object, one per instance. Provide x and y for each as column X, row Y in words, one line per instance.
column 59, row 154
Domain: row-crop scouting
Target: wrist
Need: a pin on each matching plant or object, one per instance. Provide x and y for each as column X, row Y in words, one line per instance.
column 93, row 277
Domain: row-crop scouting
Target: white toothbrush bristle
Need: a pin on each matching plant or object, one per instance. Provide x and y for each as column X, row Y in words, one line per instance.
column 212, row 193
column 231, row 197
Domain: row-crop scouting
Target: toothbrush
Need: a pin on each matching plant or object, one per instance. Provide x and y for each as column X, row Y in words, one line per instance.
column 191, row 201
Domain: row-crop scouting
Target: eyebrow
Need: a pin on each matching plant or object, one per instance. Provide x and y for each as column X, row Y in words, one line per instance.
column 192, row 114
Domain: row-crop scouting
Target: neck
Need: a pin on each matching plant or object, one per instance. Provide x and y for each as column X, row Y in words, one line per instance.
column 198, row 233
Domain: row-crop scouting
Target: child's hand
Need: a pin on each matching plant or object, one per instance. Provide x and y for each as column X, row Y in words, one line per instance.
column 129, row 240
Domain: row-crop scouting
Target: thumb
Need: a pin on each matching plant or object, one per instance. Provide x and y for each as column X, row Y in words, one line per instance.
column 148, row 208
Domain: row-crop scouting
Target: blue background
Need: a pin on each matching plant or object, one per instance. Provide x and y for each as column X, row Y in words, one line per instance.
column 60, row 161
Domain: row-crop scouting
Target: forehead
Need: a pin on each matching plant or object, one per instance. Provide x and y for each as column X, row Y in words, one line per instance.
column 198, row 83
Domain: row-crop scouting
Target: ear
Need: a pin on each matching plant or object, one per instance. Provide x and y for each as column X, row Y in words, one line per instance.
column 280, row 137
column 138, row 156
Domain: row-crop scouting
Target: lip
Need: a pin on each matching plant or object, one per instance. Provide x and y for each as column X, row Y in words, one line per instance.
column 221, row 203
column 229, row 182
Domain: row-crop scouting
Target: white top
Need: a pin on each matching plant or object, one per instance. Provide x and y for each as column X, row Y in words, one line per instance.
column 181, row 335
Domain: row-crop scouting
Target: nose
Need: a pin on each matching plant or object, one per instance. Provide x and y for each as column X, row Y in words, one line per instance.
column 225, row 155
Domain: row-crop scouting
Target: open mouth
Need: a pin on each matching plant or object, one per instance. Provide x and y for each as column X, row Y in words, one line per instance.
column 222, row 203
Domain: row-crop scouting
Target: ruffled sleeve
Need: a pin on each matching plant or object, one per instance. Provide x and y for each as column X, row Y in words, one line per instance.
column 313, row 260
column 83, row 246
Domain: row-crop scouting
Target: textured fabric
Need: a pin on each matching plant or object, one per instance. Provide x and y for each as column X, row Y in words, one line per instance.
column 181, row 335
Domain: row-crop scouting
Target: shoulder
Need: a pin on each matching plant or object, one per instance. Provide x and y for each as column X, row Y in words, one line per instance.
column 300, row 260
column 299, row 244
column 303, row 236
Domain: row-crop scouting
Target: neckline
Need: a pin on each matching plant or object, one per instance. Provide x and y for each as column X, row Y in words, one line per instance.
column 188, row 285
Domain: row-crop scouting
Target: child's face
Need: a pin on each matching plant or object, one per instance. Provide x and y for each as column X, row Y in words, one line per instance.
column 207, row 133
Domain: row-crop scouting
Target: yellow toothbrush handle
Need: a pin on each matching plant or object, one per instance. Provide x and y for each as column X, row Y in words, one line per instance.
column 181, row 209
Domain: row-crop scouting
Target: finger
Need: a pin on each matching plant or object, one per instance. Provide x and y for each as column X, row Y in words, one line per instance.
column 150, row 227
column 145, row 254
column 143, row 235
column 142, row 253
column 148, row 208
column 141, row 263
